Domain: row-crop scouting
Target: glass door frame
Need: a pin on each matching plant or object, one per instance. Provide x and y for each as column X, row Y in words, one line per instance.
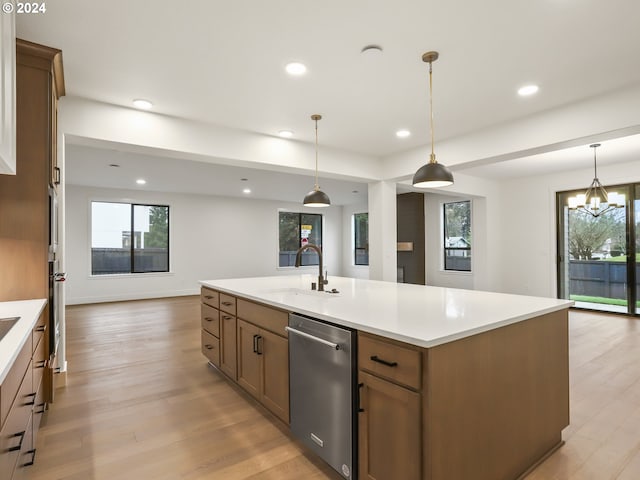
column 633, row 194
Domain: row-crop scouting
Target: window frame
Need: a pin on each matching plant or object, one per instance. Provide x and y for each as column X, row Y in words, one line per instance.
column 446, row 248
column 132, row 272
column 300, row 223
column 355, row 240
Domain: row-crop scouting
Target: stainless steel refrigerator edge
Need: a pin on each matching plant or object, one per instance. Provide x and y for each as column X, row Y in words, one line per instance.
column 322, row 386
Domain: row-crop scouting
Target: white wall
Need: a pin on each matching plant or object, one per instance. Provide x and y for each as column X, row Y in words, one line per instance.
column 210, row 237
column 349, row 269
column 527, row 257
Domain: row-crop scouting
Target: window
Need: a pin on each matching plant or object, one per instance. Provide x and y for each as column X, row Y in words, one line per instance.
column 361, row 238
column 129, row 238
column 296, row 230
column 457, row 236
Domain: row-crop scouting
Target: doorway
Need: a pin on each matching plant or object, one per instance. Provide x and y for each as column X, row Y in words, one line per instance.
column 598, row 264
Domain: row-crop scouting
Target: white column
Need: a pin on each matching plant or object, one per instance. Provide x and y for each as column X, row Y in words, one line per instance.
column 382, row 231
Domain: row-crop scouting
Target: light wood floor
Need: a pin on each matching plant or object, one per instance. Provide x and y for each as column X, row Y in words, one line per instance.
column 140, row 403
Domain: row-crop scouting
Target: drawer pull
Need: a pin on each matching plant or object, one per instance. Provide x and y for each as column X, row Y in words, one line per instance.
column 33, row 396
column 208, row 319
column 40, row 363
column 33, row 458
column 208, row 346
column 208, row 297
column 227, row 304
column 41, row 328
column 226, row 317
column 383, row 362
column 42, row 406
column 360, row 385
column 19, row 446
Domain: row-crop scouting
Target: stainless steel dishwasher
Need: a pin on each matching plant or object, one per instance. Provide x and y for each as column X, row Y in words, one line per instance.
column 322, row 389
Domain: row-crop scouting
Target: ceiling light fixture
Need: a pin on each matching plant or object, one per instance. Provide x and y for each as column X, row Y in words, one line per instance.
column 596, row 201
column 433, row 174
column 285, row 133
column 246, row 190
column 295, row 68
column 528, row 90
column 141, row 181
column 316, row 197
column 403, row 133
column 142, row 104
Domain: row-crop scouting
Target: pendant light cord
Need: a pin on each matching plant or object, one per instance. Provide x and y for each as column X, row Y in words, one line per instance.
column 317, row 187
column 595, row 164
column 433, row 156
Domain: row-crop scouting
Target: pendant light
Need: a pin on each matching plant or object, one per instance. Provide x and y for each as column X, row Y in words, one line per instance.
column 596, row 201
column 433, row 174
column 316, row 197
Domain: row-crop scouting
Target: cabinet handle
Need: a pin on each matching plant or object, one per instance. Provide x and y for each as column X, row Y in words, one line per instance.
column 41, row 328
column 40, row 363
column 208, row 297
column 56, row 179
column 227, row 304
column 226, row 317
column 208, row 346
column 384, row 362
column 208, row 319
column 360, row 409
column 255, row 344
column 258, row 344
column 41, row 405
column 19, row 446
column 33, row 458
column 33, row 396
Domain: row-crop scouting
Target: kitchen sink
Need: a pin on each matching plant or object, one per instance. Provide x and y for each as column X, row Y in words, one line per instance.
column 6, row 324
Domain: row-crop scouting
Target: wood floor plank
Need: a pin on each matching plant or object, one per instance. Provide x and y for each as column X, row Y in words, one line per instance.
column 141, row 403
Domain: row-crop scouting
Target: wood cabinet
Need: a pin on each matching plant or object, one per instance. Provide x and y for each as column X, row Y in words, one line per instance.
column 390, row 438
column 252, row 346
column 21, row 406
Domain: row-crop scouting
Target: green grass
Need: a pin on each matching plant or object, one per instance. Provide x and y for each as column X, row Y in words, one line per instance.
column 602, row 300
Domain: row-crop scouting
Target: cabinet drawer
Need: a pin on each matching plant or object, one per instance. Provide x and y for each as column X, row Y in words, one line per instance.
column 268, row 318
column 39, row 364
column 39, row 330
column 210, row 297
column 389, row 360
column 11, row 383
column 14, row 434
column 211, row 320
column 211, row 348
column 228, row 303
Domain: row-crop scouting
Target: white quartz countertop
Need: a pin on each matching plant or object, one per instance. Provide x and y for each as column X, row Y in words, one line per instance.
column 416, row 314
column 29, row 311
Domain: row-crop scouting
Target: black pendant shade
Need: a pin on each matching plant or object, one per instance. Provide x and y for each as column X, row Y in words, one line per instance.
column 316, row 198
column 432, row 175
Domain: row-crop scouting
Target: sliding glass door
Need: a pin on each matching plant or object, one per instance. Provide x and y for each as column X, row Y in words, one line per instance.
column 598, row 255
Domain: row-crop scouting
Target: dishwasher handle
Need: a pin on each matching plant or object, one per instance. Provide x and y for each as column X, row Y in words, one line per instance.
column 335, row 346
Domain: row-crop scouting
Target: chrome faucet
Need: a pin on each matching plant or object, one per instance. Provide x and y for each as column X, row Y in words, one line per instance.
column 322, row 281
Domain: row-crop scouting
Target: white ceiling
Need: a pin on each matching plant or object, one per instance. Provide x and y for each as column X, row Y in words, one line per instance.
column 222, row 62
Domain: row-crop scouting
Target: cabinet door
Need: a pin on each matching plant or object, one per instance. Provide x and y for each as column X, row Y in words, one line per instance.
column 228, row 345
column 390, row 444
column 274, row 351
column 248, row 359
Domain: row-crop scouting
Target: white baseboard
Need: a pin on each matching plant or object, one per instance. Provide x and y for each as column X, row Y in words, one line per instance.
column 131, row 296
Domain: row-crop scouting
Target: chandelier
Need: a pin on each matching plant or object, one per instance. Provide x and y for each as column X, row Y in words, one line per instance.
column 596, row 201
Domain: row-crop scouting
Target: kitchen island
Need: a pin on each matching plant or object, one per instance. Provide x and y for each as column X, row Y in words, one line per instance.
column 472, row 385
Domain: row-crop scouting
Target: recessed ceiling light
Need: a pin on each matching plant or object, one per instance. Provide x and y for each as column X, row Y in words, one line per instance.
column 528, row 90
column 295, row 68
column 244, row 179
column 285, row 133
column 143, row 104
column 114, row 165
column 141, row 181
column 246, row 190
column 403, row 133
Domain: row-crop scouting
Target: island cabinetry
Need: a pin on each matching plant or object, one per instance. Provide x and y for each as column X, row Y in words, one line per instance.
column 390, row 430
column 210, row 320
column 228, row 349
column 263, row 355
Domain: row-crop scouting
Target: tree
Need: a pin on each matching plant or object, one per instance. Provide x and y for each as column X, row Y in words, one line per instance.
column 158, row 234
column 587, row 233
column 458, row 220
